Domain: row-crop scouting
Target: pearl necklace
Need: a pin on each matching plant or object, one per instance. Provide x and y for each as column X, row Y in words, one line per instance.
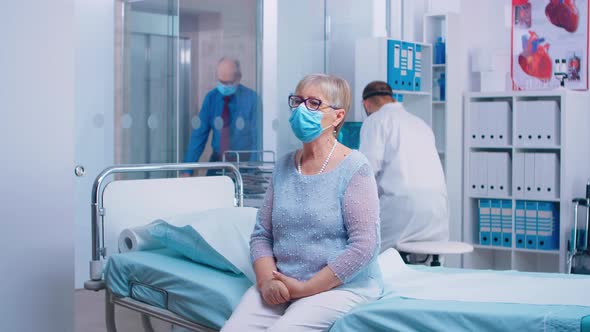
column 325, row 161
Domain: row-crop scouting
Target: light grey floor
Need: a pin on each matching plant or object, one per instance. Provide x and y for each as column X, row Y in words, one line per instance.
column 90, row 315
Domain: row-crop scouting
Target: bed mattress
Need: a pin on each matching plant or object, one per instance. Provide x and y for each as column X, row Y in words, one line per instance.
column 167, row 280
column 394, row 313
column 208, row 296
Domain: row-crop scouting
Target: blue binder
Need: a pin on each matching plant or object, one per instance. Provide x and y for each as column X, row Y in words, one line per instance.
column 496, row 222
column 405, row 83
column 531, row 224
column 418, row 67
column 484, row 221
column 507, row 223
column 547, row 228
column 519, row 224
column 394, row 53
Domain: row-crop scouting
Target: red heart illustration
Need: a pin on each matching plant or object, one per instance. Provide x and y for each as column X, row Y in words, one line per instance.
column 534, row 59
column 563, row 13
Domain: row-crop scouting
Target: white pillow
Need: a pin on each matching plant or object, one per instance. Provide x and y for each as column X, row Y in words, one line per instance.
column 225, row 230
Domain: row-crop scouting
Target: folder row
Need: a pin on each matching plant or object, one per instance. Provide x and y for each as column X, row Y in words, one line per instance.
column 404, row 65
column 536, row 225
column 490, row 123
column 536, row 175
column 489, row 173
column 537, row 123
column 495, row 222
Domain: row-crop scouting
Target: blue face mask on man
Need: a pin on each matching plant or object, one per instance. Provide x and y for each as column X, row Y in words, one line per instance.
column 226, row 89
column 306, row 124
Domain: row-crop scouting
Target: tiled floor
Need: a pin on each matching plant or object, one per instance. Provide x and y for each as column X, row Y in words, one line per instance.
column 90, row 315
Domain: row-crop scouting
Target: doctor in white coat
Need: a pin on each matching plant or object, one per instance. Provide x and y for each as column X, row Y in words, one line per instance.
column 411, row 183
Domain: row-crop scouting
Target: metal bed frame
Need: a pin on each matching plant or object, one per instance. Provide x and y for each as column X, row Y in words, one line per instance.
column 256, row 167
column 577, row 250
column 99, row 253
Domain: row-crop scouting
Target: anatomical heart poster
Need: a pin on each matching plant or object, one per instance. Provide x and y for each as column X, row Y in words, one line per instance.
column 549, row 44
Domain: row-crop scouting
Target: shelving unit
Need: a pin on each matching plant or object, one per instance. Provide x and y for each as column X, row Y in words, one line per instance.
column 542, row 128
column 447, row 114
column 371, row 65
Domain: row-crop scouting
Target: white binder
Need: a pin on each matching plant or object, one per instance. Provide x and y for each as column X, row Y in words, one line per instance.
column 550, row 175
column 519, row 175
column 503, row 173
column 483, row 173
column 474, row 122
column 474, row 173
column 529, row 175
column 548, row 120
column 492, row 164
column 502, row 124
column 539, row 187
column 521, row 124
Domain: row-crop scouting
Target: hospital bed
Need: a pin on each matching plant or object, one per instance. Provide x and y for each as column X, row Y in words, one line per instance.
column 164, row 284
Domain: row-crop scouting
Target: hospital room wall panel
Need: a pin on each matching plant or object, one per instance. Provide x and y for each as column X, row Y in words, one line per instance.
column 37, row 121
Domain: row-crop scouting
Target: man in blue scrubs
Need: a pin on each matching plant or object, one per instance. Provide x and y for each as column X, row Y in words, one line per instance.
column 231, row 112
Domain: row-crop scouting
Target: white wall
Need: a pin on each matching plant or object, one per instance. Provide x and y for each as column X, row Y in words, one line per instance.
column 485, row 28
column 37, row 141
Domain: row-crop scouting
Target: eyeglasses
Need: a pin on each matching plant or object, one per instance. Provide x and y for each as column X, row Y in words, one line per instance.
column 311, row 103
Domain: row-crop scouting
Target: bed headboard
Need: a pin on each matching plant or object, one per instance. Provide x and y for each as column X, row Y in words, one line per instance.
column 131, row 203
column 128, row 203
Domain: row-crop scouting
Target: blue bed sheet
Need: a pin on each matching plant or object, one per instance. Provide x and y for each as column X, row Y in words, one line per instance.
column 394, row 313
column 167, row 280
column 208, row 296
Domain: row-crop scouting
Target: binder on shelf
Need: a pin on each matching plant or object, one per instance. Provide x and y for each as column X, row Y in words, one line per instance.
column 531, row 222
column 474, row 173
column 502, row 124
column 522, row 120
column 496, row 222
column 520, row 224
column 411, row 69
column 394, row 52
column 483, row 128
column 503, row 173
column 550, row 182
column 474, row 123
column 482, row 174
column 543, row 117
column 539, row 188
column 506, row 223
column 418, row 67
column 518, row 177
column 548, row 227
column 484, row 207
column 529, row 175
column 492, row 162
column 403, row 79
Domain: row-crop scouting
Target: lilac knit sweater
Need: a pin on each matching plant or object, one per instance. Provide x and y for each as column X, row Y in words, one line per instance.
column 308, row 222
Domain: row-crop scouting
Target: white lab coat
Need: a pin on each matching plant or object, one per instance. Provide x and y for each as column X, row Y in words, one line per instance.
column 411, row 183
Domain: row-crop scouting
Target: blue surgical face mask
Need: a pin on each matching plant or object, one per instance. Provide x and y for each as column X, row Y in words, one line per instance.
column 226, row 89
column 306, row 124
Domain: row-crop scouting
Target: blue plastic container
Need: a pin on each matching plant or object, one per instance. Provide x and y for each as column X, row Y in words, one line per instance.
column 439, row 51
column 441, row 86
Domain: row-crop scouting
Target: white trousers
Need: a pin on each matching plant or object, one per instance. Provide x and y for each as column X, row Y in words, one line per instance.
column 313, row 313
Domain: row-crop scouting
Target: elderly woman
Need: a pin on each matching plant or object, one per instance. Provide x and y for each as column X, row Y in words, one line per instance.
column 316, row 240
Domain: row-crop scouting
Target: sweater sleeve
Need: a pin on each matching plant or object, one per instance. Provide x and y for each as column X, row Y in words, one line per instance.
column 261, row 240
column 360, row 206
